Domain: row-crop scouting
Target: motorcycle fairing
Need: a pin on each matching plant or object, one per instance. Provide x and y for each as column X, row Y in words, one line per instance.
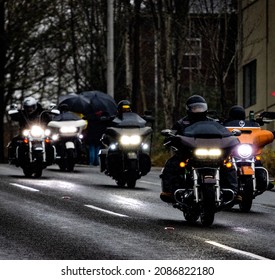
column 129, row 119
column 208, row 134
column 116, row 131
column 255, row 136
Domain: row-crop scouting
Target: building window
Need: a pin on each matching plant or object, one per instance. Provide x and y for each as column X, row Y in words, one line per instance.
column 249, row 84
column 192, row 55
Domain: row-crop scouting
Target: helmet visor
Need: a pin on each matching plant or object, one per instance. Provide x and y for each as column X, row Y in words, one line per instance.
column 197, row 107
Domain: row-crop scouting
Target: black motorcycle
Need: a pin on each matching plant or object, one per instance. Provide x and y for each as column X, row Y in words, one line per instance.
column 32, row 149
column 203, row 149
column 126, row 153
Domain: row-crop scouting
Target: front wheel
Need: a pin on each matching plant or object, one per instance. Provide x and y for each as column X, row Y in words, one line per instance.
column 70, row 160
column 208, row 207
column 38, row 172
column 131, row 182
column 28, row 172
column 191, row 217
column 247, row 195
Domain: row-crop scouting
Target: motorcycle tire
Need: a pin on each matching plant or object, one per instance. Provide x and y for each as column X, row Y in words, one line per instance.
column 131, row 183
column 208, row 207
column 247, row 194
column 191, row 217
column 62, row 166
column 120, row 183
column 38, row 173
column 70, row 160
column 27, row 172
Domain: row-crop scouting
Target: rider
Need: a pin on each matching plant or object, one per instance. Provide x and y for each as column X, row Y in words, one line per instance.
column 126, row 117
column 31, row 112
column 237, row 119
column 196, row 108
column 124, row 106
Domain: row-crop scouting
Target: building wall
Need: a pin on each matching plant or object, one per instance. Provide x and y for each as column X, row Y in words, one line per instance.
column 257, row 42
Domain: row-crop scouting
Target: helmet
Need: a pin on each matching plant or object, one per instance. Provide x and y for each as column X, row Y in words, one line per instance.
column 196, row 107
column 30, row 105
column 124, row 106
column 237, row 112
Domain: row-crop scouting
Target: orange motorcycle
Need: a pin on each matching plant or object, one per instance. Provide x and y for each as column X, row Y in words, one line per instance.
column 253, row 178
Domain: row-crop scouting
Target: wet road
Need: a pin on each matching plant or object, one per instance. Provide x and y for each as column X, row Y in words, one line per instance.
column 84, row 216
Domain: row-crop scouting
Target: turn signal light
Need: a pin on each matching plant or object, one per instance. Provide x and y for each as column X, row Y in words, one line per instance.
column 182, row 164
column 258, row 157
column 26, row 141
column 228, row 164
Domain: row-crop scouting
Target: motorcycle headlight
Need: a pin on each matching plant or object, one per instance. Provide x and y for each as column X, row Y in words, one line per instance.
column 245, row 150
column 55, row 137
column 208, row 153
column 25, row 132
column 47, row 132
column 68, row 129
column 37, row 131
column 145, row 147
column 130, row 140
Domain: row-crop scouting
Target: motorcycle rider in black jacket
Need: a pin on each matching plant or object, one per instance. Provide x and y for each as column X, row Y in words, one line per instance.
column 196, row 108
column 30, row 113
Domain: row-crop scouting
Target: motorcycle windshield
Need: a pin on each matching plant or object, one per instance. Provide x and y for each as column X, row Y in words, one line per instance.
column 129, row 119
column 208, row 133
column 206, row 129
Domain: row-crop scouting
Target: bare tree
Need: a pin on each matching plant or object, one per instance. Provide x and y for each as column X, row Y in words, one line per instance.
column 170, row 26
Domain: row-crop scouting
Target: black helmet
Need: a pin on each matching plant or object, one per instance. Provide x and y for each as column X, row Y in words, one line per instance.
column 30, row 105
column 196, row 107
column 237, row 112
column 124, row 106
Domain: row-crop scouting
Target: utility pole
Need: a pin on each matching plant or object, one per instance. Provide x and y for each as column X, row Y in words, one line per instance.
column 110, row 48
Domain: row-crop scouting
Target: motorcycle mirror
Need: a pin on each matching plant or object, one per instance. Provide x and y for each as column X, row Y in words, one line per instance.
column 55, row 111
column 267, row 121
column 236, row 132
column 13, row 107
column 13, row 111
column 52, row 106
column 268, row 115
column 166, row 132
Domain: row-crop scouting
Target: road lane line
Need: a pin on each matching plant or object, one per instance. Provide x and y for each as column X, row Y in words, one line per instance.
column 24, row 187
column 254, row 256
column 150, row 183
column 106, row 211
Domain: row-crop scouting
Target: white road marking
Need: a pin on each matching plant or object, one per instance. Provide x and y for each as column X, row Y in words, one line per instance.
column 106, row 211
column 150, row 183
column 254, row 256
column 24, row 187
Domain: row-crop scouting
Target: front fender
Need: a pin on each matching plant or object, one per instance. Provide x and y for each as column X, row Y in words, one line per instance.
column 70, row 145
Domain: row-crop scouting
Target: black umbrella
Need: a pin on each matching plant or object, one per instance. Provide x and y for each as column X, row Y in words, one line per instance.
column 101, row 102
column 76, row 103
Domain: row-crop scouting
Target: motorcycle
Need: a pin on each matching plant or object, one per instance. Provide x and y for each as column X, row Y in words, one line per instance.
column 126, row 153
column 203, row 148
column 33, row 147
column 67, row 139
column 253, row 178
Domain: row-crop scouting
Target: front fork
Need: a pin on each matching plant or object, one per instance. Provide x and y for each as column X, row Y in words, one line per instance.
column 31, row 151
column 253, row 167
column 215, row 182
